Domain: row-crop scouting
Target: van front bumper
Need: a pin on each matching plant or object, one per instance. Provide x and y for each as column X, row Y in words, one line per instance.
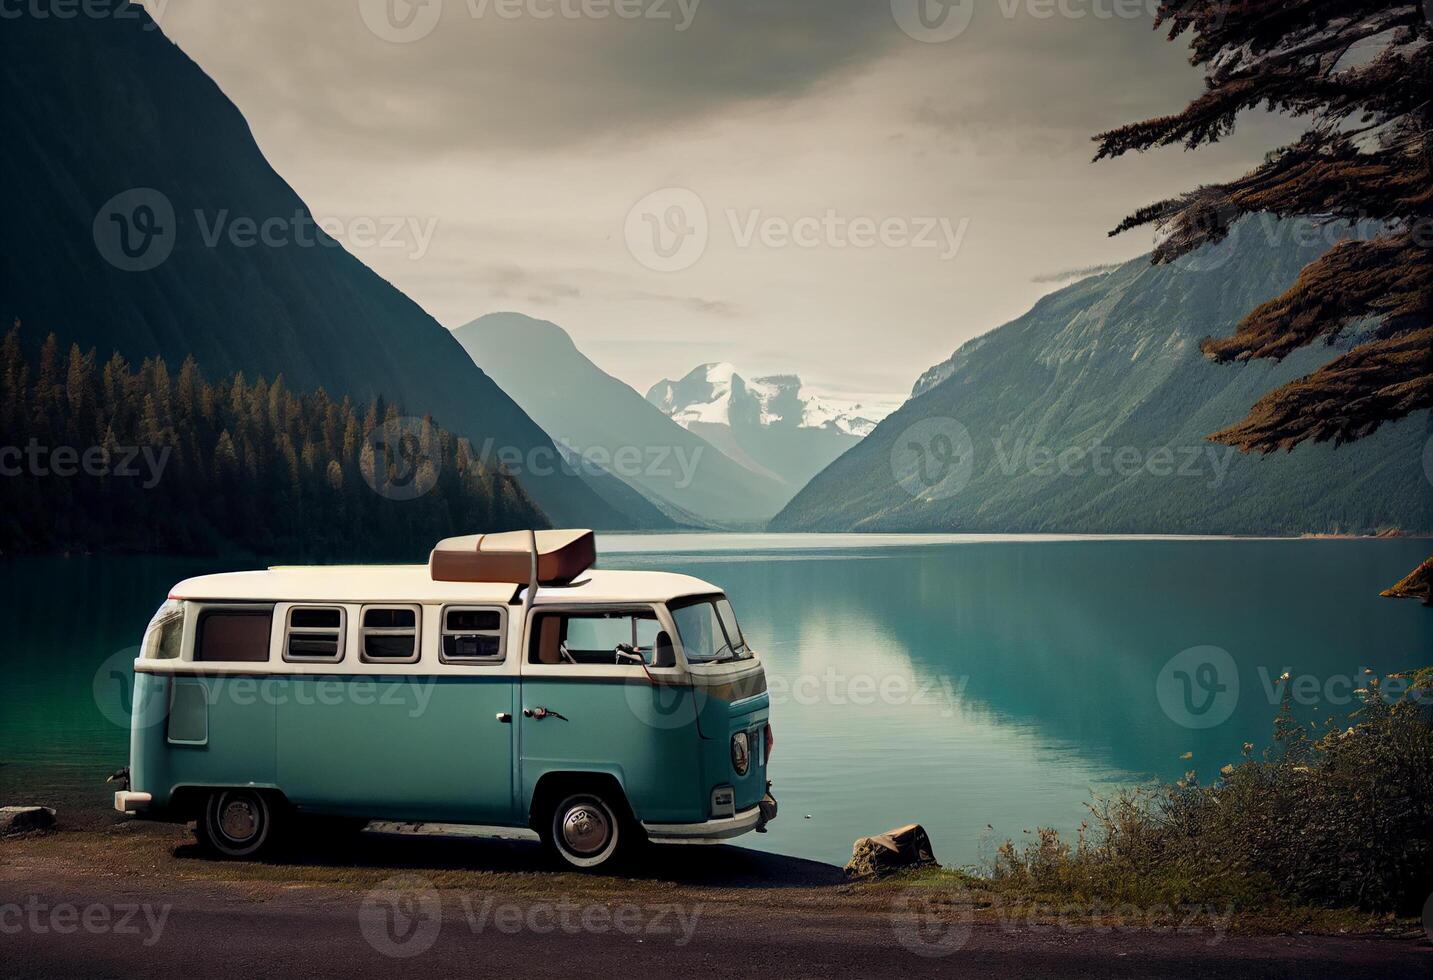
column 132, row 803
column 714, row 831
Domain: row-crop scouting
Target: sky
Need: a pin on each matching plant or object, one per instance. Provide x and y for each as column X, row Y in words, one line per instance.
column 843, row 189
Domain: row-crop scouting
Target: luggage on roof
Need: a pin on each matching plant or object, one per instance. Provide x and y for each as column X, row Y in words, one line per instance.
column 507, row 557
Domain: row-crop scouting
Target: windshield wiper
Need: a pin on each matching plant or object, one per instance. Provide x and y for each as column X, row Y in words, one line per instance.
column 717, row 658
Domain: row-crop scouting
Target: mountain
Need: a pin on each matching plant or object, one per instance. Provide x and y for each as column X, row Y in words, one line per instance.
column 606, row 423
column 772, row 425
column 135, row 197
column 1090, row 414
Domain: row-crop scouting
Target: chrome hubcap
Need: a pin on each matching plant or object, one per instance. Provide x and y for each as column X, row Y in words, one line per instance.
column 238, row 820
column 585, row 829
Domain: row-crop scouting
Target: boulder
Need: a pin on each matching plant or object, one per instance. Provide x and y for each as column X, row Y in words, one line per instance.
column 19, row 819
column 904, row 847
column 1419, row 585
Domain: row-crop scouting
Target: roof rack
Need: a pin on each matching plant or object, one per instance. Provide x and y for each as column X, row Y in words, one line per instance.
column 508, row 557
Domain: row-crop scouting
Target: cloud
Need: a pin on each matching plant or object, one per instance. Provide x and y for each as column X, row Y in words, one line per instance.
column 509, row 281
column 1071, row 274
column 543, row 78
column 692, row 304
column 530, row 140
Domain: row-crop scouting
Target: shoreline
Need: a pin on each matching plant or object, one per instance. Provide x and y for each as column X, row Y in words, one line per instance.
column 138, row 900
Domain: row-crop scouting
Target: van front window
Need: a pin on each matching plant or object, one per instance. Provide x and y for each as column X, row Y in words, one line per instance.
column 709, row 631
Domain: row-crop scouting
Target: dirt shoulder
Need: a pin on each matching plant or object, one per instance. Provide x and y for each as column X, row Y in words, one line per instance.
column 394, row 905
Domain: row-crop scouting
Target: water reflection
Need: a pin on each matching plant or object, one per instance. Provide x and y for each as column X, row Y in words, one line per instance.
column 957, row 684
column 1040, row 662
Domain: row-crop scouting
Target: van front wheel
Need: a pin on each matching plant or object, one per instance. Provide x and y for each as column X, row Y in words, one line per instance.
column 585, row 831
column 237, row 823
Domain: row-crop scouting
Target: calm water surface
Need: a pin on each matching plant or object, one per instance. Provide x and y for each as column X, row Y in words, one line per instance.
column 979, row 686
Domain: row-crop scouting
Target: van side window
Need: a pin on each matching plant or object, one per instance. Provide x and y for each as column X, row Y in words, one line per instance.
column 314, row 634
column 230, row 635
column 577, row 639
column 472, row 634
column 389, row 634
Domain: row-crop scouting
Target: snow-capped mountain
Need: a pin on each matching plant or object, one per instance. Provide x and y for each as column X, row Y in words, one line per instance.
column 773, row 425
column 597, row 417
column 712, row 393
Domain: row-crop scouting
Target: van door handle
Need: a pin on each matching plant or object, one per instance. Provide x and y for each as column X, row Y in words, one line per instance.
column 504, row 717
column 539, row 713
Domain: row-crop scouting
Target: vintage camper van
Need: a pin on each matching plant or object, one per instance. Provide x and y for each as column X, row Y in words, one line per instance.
column 508, row 683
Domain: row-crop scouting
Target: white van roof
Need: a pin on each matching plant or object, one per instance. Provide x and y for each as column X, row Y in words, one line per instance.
column 412, row 583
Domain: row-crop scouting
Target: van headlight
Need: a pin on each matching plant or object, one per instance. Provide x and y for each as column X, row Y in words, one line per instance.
column 740, row 753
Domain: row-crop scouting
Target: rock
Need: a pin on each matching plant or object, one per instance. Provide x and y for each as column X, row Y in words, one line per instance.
column 19, row 819
column 1419, row 585
column 904, row 847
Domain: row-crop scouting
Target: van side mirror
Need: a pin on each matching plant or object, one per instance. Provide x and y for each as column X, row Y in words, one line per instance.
column 663, row 653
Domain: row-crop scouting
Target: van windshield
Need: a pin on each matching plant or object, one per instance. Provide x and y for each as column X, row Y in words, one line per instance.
column 709, row 630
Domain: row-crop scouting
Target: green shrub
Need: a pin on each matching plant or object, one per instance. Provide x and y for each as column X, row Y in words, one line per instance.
column 1337, row 818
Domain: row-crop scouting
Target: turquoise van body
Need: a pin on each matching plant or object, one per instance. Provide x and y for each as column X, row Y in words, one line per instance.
column 379, row 694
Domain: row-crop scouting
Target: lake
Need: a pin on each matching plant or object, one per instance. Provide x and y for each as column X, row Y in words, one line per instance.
column 979, row 685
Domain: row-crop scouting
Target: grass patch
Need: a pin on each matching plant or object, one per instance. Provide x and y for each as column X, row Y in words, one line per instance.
column 1330, row 831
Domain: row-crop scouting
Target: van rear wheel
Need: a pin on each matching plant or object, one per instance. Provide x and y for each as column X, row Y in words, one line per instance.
column 238, row 823
column 584, row 830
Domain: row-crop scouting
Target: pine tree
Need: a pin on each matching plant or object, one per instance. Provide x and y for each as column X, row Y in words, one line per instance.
column 1361, row 72
column 236, row 476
